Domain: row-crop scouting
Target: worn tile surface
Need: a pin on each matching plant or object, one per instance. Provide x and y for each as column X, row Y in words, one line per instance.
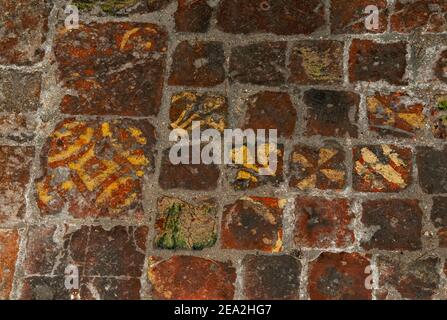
column 354, row 207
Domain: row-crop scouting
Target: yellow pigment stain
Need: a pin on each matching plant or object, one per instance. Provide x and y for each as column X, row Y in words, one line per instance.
column 186, row 124
column 220, row 126
column 393, row 156
column 333, row 175
column 309, row 182
column 413, row 119
column 92, row 183
column 126, row 203
column 72, row 125
column 386, row 149
column 203, row 115
column 299, row 158
column 176, row 123
column 389, row 174
column 105, row 130
column 129, row 200
column 385, row 170
column 373, row 103
column 151, row 30
column 138, row 160
column 213, row 103
column 244, row 175
column 373, row 107
column 278, row 244
column 326, row 155
column 243, row 156
column 127, row 36
column 111, row 188
column 184, row 95
column 137, row 135
column 282, row 203
column 264, row 153
column 74, row 148
column 63, row 30
column 67, row 185
column 59, row 135
column 315, row 65
column 360, row 168
column 43, row 194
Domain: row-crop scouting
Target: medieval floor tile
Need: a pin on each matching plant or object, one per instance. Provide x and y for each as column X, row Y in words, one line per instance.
column 112, row 68
column 191, row 278
column 253, row 224
column 15, row 164
column 183, row 225
column 95, row 168
column 381, row 168
column 339, row 276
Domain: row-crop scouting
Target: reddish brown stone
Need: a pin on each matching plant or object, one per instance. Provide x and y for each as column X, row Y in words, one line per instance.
column 348, row 16
column 196, row 177
column 116, row 8
column 262, row 63
column 381, row 168
column 19, row 98
column 15, row 164
column 323, row 223
column 395, row 114
column 193, row 16
column 183, row 225
column 120, row 8
column 316, row 62
column 208, row 108
column 372, row 61
column 191, row 278
column 285, row 17
column 45, row 288
column 438, row 116
column 440, row 68
column 394, row 224
column 9, row 249
column 425, row 15
column 109, row 288
column 42, row 251
column 113, row 68
column 198, row 64
column 91, row 288
column 265, row 111
column 320, row 168
column 432, row 169
column 247, row 175
column 332, row 113
column 19, row 91
column 155, row 5
column 95, row 168
column 413, row 278
column 18, row 127
column 439, row 218
column 118, row 252
column 253, row 223
column 271, row 110
column 23, row 26
column 271, row 277
column 339, row 276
